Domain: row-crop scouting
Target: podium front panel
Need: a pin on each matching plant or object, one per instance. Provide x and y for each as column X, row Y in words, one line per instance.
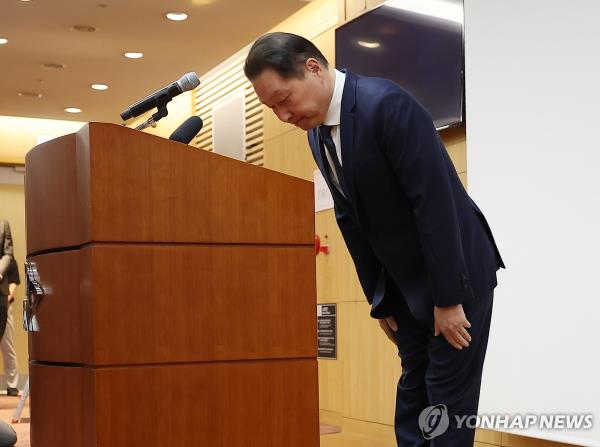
column 111, row 304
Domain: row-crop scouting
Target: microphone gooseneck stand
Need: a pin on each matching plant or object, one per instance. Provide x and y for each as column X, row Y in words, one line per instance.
column 162, row 111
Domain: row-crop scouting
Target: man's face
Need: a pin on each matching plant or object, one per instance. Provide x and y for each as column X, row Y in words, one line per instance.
column 302, row 102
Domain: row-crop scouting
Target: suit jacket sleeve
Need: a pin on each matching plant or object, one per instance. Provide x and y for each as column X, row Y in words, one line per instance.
column 422, row 167
column 370, row 272
column 7, row 249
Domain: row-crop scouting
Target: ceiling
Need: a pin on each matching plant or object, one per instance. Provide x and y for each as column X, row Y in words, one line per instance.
column 41, row 31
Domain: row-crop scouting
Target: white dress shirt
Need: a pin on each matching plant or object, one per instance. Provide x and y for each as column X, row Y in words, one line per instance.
column 332, row 119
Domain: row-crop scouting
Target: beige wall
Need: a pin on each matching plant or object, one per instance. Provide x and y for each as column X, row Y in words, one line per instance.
column 18, row 135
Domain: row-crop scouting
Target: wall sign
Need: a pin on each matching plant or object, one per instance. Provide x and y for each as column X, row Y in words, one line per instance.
column 327, row 331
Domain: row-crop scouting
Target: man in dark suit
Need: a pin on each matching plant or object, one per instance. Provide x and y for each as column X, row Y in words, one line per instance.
column 423, row 251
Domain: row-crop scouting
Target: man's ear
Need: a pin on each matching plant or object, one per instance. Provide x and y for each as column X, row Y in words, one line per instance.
column 313, row 65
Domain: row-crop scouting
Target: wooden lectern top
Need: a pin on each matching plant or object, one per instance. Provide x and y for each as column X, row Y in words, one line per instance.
column 110, row 183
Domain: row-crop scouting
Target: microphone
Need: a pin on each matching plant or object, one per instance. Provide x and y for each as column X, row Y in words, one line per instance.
column 188, row 130
column 188, row 81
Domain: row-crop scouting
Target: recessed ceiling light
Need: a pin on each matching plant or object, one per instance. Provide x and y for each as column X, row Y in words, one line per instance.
column 364, row 44
column 54, row 65
column 131, row 55
column 176, row 16
column 30, row 94
column 84, row 28
column 99, row 86
column 72, row 110
column 3, row 41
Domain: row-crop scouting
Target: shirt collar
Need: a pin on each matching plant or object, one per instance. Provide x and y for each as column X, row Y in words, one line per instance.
column 335, row 106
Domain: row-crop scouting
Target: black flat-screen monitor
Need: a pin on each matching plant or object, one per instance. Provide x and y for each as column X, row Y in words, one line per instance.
column 416, row 43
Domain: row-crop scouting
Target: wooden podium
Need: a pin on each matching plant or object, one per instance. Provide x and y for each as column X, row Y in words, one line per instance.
column 179, row 300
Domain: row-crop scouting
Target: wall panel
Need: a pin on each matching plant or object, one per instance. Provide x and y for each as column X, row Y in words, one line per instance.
column 354, row 8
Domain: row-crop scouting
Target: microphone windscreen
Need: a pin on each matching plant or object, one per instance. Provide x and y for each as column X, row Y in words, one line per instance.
column 188, row 81
column 188, row 130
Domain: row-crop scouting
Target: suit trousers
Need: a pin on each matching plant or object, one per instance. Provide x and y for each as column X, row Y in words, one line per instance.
column 435, row 374
column 9, row 354
column 3, row 312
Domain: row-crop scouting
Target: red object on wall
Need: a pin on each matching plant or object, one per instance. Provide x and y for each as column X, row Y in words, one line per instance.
column 320, row 248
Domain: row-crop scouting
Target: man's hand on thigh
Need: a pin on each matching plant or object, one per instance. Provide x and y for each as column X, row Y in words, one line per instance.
column 389, row 326
column 453, row 324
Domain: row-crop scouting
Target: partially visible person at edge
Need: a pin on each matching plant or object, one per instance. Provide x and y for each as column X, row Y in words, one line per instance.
column 9, row 353
column 6, row 258
column 423, row 251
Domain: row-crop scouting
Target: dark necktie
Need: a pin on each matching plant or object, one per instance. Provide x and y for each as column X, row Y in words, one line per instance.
column 327, row 139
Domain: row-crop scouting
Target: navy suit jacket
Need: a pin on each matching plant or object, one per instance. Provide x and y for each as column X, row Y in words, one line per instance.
column 411, row 228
